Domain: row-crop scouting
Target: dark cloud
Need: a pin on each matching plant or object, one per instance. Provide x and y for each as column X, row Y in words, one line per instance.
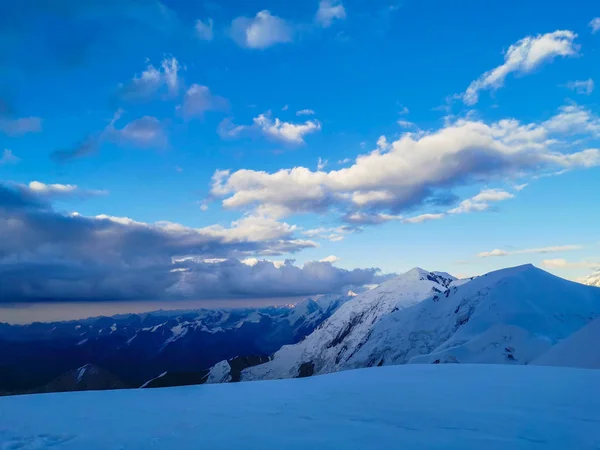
column 46, row 256
column 84, row 148
column 145, row 132
column 233, row 278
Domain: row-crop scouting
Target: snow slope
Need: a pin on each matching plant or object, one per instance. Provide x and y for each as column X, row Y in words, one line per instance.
column 593, row 279
column 335, row 341
column 509, row 316
column 413, row 407
column 581, row 349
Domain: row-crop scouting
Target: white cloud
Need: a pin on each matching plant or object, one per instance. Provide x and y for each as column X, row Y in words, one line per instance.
column 574, row 119
column 20, row 126
column 8, row 157
column 554, row 249
column 254, row 261
column 495, row 252
column 198, row 100
column 344, row 161
column 276, row 129
column 595, row 24
column 262, row 31
column 372, row 218
column 481, row 201
column 585, row 87
column 204, row 31
column 330, row 259
column 334, row 234
column 151, row 80
column 256, row 229
column 57, row 190
column 321, row 164
column 305, row 112
column 73, row 257
column 560, row 263
column 364, row 198
column 406, row 124
column 417, row 169
column 523, row 57
column 145, row 132
column 520, row 187
column 403, row 110
column 330, row 10
column 285, row 108
column 423, row 218
column 286, row 131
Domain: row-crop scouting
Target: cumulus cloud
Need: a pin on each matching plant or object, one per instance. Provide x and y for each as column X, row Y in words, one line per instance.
column 198, row 100
column 481, row 201
column 285, row 131
column 553, row 249
column 574, row 119
column 585, row 87
column 20, row 126
column 204, row 30
column 262, row 31
column 330, row 10
column 331, row 259
column 522, row 58
column 152, row 80
column 234, row 278
column 46, row 255
column 420, row 169
column 595, row 24
column 8, row 157
column 275, row 129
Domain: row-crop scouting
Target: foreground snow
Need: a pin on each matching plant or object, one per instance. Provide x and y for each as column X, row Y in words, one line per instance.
column 415, row 406
column 578, row 350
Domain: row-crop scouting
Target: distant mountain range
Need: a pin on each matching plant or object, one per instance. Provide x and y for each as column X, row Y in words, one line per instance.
column 130, row 350
column 518, row 316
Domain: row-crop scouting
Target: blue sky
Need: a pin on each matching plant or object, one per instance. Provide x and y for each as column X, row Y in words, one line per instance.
column 488, row 112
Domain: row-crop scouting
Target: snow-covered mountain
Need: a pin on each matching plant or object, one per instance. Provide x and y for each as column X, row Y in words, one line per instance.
column 137, row 348
column 509, row 316
column 331, row 345
column 593, row 279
